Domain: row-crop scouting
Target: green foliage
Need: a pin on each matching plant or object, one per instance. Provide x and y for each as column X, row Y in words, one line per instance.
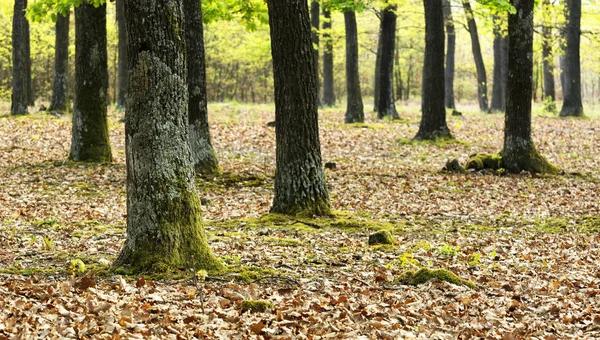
column 448, row 250
column 500, row 5
column 77, row 267
column 252, row 13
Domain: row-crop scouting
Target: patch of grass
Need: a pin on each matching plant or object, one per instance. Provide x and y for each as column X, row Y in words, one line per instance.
column 582, row 224
column 439, row 142
column 283, row 242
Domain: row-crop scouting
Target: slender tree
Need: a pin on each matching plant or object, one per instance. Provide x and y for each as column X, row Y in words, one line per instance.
column 300, row 186
column 548, row 58
column 203, row 155
column 164, row 222
column 59, row 100
column 377, row 78
column 328, row 85
column 450, row 53
column 315, row 18
column 479, row 65
column 122, row 63
column 354, row 104
column 500, row 64
column 572, row 104
column 519, row 153
column 433, row 119
column 20, row 59
column 89, row 138
column 30, row 93
column 386, row 106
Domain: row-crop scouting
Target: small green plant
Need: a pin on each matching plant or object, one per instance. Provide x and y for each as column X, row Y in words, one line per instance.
column 77, row 267
column 48, row 243
column 448, row 250
column 474, row 259
column 493, row 254
column 32, row 239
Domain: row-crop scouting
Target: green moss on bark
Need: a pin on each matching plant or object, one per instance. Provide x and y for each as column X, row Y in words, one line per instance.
column 527, row 159
column 484, row 160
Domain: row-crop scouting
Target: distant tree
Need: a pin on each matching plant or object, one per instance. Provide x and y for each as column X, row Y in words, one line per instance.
column 376, row 77
column 59, row 100
column 479, row 64
column 122, row 47
column 572, row 103
column 164, row 221
column 30, row 93
column 519, row 153
column 354, row 104
column 450, row 53
column 328, row 85
column 300, row 186
column 315, row 18
column 433, row 119
column 20, row 59
column 548, row 58
column 386, row 106
column 500, row 64
column 89, row 138
column 203, row 155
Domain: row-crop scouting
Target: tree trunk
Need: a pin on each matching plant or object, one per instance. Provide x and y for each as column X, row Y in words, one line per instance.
column 519, row 153
column 354, row 109
column 572, row 104
column 450, row 53
column 377, row 77
column 300, row 186
column 328, row 86
column 59, row 100
column 386, row 106
column 479, row 65
column 499, row 87
column 89, row 139
column 548, row 58
column 122, row 47
column 433, row 119
column 19, row 99
column 164, row 220
column 315, row 13
column 30, row 93
column 204, row 158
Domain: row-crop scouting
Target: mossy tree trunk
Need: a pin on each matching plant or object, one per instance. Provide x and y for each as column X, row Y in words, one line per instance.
column 204, row 158
column 328, row 85
column 572, row 104
column 433, row 118
column 122, row 47
column 354, row 104
column 19, row 60
column 59, row 100
column 386, row 106
column 450, row 56
column 300, row 186
column 519, row 153
column 499, row 88
column 164, row 222
column 89, row 137
column 315, row 22
column 479, row 65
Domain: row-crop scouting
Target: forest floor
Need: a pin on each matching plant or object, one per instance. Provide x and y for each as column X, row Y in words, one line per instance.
column 529, row 243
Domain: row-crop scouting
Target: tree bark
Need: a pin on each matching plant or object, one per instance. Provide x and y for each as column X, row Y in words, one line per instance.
column 30, row 92
column 377, row 77
column 59, row 100
column 328, row 86
column 572, row 104
column 164, row 222
column 386, row 106
column 450, row 54
column 433, row 119
column 354, row 109
column 499, row 87
column 300, row 186
column 204, row 158
column 519, row 153
column 89, row 139
column 19, row 99
column 548, row 61
column 122, row 63
column 315, row 18
column 479, row 65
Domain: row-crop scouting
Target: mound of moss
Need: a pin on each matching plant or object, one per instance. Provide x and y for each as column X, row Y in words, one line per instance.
column 424, row 275
column 256, row 306
column 381, row 237
column 484, row 160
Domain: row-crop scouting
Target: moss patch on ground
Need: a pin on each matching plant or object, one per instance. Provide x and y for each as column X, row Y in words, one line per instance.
column 484, row 160
column 424, row 275
column 256, row 306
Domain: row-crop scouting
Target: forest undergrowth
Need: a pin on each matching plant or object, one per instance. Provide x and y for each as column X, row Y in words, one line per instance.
column 529, row 243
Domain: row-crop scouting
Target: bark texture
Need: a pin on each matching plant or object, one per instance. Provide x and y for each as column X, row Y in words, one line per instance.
column 328, row 85
column 20, row 59
column 377, row 77
column 300, row 186
column 164, row 222
column 30, row 93
column 59, row 100
column 433, row 119
column 450, row 54
column 572, row 104
column 315, row 19
column 519, row 153
column 500, row 71
column 354, row 106
column 89, row 137
column 122, row 66
column 479, row 65
column 386, row 106
column 548, row 65
column 204, row 158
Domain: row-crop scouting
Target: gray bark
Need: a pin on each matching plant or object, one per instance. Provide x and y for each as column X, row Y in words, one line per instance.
column 328, row 86
column 19, row 60
column 354, row 107
column 386, row 106
column 572, row 103
column 450, row 54
column 315, row 18
column 479, row 65
column 59, row 100
column 122, row 63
